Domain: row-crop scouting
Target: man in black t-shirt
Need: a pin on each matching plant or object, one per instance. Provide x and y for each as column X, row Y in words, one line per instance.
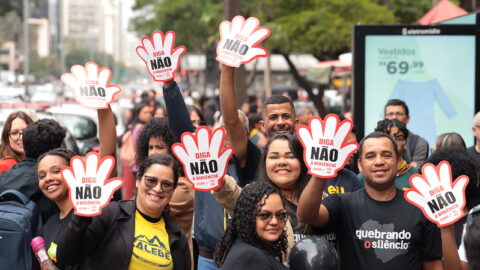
column 278, row 116
column 376, row 227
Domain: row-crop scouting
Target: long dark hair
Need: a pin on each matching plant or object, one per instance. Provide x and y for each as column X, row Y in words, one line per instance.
column 243, row 223
column 297, row 149
column 135, row 112
column 6, row 150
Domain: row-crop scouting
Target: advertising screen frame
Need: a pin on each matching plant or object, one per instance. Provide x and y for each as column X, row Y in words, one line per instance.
column 360, row 33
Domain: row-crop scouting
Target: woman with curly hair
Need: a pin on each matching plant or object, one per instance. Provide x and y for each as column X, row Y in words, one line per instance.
column 11, row 146
column 255, row 237
column 281, row 166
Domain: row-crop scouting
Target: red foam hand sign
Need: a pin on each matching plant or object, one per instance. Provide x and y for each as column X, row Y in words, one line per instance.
column 204, row 162
column 441, row 200
column 86, row 178
column 239, row 39
column 325, row 151
column 158, row 54
column 91, row 85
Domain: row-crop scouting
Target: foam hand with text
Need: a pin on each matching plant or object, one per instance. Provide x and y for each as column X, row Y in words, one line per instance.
column 86, row 179
column 239, row 39
column 324, row 150
column 162, row 62
column 441, row 200
column 204, row 162
column 91, row 85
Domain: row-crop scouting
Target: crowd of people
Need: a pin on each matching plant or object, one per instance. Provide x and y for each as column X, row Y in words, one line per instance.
column 265, row 204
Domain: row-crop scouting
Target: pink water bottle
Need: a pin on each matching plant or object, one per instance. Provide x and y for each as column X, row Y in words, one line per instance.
column 38, row 246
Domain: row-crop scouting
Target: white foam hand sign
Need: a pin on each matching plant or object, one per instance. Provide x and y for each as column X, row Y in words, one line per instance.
column 324, row 148
column 204, row 162
column 441, row 200
column 86, row 179
column 162, row 62
column 91, row 85
column 239, row 39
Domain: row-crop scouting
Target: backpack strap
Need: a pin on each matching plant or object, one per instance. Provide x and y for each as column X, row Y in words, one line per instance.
column 14, row 195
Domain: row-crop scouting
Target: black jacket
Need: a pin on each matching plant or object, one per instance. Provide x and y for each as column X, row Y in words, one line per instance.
column 244, row 256
column 23, row 177
column 106, row 241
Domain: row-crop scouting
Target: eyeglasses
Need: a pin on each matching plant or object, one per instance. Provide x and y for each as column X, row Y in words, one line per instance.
column 390, row 114
column 15, row 135
column 267, row 216
column 151, row 182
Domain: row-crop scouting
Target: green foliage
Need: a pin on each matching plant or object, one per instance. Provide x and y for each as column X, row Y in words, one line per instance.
column 323, row 27
column 82, row 56
column 41, row 67
column 320, row 27
column 195, row 22
column 407, row 11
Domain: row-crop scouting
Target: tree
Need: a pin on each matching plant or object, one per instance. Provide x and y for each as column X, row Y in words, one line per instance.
column 407, row 11
column 195, row 22
column 319, row 27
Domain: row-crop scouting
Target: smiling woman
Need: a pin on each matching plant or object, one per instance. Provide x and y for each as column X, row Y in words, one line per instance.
column 11, row 149
column 131, row 234
column 255, row 237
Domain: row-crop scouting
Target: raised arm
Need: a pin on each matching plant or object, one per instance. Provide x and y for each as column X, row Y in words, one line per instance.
column 310, row 209
column 178, row 116
column 451, row 260
column 107, row 135
column 228, row 105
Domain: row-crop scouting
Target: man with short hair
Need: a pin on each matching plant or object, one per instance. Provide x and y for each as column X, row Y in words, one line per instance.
column 375, row 226
column 416, row 147
column 38, row 138
column 399, row 132
column 278, row 116
column 474, row 151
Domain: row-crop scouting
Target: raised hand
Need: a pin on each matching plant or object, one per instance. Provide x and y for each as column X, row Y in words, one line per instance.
column 86, row 179
column 204, row 162
column 91, row 85
column 441, row 200
column 158, row 54
column 239, row 39
column 325, row 152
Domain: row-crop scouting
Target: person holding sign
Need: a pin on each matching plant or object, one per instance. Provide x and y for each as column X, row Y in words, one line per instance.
column 452, row 235
column 376, row 227
column 238, row 44
column 132, row 234
column 255, row 237
column 53, row 186
column 282, row 165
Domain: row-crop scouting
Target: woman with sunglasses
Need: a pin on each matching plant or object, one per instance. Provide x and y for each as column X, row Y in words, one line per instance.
column 11, row 148
column 255, row 237
column 282, row 166
column 132, row 234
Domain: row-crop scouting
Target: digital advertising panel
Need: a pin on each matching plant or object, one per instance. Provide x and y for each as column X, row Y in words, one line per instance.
column 432, row 68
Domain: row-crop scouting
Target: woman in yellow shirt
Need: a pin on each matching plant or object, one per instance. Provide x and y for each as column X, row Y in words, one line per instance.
column 133, row 234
